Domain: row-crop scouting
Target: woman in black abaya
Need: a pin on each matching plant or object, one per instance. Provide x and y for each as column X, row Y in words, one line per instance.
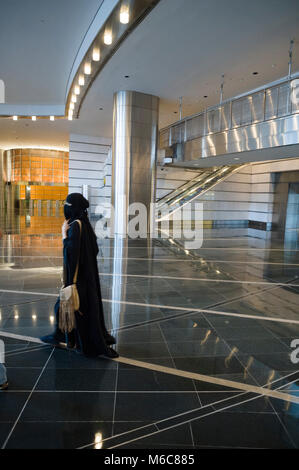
column 90, row 336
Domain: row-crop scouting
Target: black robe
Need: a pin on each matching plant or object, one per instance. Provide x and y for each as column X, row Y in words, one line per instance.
column 90, row 330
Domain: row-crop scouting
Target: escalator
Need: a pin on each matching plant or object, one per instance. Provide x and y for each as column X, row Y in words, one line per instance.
column 191, row 190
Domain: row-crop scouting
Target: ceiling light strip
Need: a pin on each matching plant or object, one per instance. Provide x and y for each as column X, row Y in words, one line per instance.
column 122, row 21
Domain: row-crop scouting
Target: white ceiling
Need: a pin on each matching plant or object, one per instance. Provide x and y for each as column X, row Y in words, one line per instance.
column 39, row 42
column 180, row 49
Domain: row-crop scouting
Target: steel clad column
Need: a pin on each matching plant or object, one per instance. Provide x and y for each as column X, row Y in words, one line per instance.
column 135, row 134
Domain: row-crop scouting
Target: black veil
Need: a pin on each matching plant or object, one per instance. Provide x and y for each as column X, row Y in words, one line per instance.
column 75, row 207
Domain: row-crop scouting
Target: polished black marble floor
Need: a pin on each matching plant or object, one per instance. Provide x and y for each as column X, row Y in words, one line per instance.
column 227, row 311
column 59, row 399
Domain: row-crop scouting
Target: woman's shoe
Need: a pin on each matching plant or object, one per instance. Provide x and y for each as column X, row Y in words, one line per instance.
column 4, row 386
column 111, row 353
column 71, row 343
column 110, row 339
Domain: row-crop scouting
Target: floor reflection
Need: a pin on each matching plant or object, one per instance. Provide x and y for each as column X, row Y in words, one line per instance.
column 202, row 311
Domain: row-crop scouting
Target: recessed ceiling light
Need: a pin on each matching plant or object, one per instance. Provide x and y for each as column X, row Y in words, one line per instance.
column 96, row 55
column 87, row 68
column 77, row 90
column 124, row 16
column 33, row 118
column 52, row 118
column 15, row 118
column 108, row 37
column 81, row 80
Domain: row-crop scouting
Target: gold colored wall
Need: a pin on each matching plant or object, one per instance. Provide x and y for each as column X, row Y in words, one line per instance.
column 40, row 225
column 39, row 165
column 48, row 193
column 45, row 172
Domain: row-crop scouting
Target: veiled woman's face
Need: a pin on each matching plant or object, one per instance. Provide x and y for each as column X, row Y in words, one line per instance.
column 67, row 210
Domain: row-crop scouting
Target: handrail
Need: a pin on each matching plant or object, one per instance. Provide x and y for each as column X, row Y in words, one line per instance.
column 180, row 189
column 261, row 104
column 191, row 190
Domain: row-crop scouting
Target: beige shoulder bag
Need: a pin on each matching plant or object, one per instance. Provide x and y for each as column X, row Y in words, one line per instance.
column 69, row 300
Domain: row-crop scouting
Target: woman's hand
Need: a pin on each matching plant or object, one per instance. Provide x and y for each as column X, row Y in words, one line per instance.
column 64, row 229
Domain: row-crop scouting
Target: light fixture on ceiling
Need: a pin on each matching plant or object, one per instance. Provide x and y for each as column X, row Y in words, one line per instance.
column 70, row 115
column 81, row 80
column 96, row 54
column 77, row 90
column 33, row 118
column 52, row 118
column 15, row 118
column 124, row 16
column 74, row 99
column 108, row 37
column 87, row 68
column 72, row 106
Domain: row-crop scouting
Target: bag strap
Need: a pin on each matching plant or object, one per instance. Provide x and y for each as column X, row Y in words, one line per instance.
column 77, row 267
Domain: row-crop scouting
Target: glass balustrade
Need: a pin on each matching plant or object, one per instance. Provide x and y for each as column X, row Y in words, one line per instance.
column 270, row 103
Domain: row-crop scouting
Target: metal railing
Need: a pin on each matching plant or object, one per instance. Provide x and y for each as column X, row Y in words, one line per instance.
column 255, row 107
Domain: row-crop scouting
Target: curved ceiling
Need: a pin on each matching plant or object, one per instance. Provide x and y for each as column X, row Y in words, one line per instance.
column 183, row 47
column 41, row 39
column 180, row 49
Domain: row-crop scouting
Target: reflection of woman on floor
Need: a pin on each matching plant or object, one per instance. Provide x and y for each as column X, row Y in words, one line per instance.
column 90, row 336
